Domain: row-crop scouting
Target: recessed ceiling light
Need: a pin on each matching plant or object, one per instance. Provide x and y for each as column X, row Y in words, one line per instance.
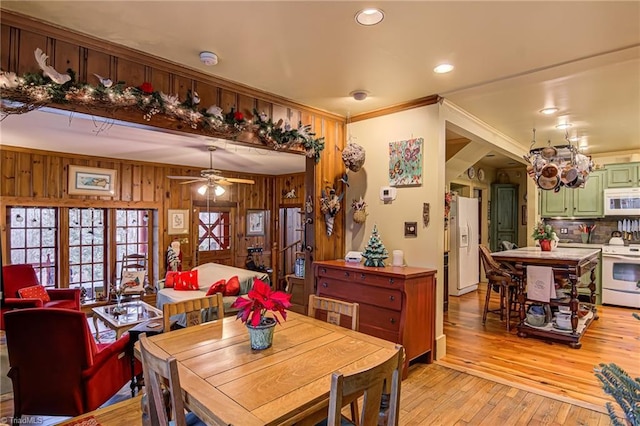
column 443, row 68
column 369, row 17
column 549, row 111
column 563, row 126
column 359, row 95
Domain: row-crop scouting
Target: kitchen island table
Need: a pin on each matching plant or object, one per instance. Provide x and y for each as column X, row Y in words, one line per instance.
column 568, row 264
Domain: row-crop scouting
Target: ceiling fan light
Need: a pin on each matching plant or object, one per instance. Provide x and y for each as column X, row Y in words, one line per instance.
column 202, row 190
column 219, row 190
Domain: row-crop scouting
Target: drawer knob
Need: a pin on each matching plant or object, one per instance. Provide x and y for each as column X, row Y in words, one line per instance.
column 346, row 274
column 391, row 281
column 325, row 285
column 392, row 298
column 392, row 320
column 363, row 276
column 324, row 270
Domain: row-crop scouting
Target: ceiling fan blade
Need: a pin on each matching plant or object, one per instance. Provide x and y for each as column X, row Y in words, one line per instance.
column 192, row 181
column 239, row 180
column 185, row 177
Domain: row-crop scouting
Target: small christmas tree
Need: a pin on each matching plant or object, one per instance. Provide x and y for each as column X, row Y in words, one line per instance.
column 374, row 252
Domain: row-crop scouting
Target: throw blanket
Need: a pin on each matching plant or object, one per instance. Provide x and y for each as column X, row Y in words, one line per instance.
column 540, row 283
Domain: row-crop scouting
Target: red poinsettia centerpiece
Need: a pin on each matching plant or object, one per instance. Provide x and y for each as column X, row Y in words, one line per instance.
column 261, row 299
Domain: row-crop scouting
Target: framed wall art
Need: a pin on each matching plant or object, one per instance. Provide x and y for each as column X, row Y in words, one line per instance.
column 177, row 221
column 255, row 222
column 91, row 181
column 405, row 162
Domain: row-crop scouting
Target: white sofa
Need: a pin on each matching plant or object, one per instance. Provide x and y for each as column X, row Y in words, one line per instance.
column 209, row 273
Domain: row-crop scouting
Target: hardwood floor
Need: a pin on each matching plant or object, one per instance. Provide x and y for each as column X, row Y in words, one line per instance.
column 548, row 369
column 493, row 377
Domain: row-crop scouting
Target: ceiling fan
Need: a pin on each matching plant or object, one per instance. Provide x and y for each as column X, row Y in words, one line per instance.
column 212, row 178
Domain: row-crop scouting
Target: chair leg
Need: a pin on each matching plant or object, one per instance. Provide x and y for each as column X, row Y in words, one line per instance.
column 355, row 417
column 486, row 303
column 502, row 297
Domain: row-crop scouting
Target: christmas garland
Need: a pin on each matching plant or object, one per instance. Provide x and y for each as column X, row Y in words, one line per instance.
column 19, row 95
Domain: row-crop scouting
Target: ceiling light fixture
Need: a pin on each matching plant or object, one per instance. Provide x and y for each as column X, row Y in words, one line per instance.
column 443, row 68
column 553, row 167
column 203, row 189
column 217, row 189
column 549, row 110
column 563, row 126
column 208, row 58
column 359, row 95
column 369, row 17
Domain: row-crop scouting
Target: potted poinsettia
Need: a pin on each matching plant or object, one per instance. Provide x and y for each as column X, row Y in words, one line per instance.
column 252, row 310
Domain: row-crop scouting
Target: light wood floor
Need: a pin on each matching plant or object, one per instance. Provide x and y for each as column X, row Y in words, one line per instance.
column 492, row 377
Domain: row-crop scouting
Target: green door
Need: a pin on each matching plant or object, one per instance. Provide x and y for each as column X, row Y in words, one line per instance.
column 556, row 204
column 589, row 201
column 622, row 175
column 504, row 214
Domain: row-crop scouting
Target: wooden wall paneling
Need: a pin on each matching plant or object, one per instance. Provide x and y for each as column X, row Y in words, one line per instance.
column 208, row 93
column 27, row 44
column 124, row 179
column 132, row 73
column 98, row 63
column 264, row 106
column 5, row 46
column 280, row 112
column 246, row 105
column 180, row 86
column 63, row 255
column 294, row 117
column 53, row 178
column 67, row 56
column 147, row 191
column 38, row 173
column 136, row 182
column 9, row 173
column 24, row 174
column 160, row 80
column 228, row 100
column 105, row 164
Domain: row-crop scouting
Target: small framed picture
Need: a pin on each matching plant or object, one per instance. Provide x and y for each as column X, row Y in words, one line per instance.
column 132, row 282
column 255, row 222
column 177, row 221
column 524, row 214
column 91, row 181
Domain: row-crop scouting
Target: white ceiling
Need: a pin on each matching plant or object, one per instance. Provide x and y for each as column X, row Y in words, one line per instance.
column 512, row 58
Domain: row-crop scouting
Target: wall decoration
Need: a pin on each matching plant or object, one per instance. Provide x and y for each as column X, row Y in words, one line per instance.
column 177, row 221
column 405, row 162
column 353, row 156
column 524, row 214
column 425, row 214
column 91, row 181
column 359, row 210
column 330, row 206
column 255, row 223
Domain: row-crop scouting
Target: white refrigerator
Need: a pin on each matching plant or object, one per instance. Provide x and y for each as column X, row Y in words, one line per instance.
column 464, row 265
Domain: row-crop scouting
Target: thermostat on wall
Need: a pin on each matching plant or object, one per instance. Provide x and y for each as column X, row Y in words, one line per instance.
column 388, row 193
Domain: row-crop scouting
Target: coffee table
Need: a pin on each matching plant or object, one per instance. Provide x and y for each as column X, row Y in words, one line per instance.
column 131, row 314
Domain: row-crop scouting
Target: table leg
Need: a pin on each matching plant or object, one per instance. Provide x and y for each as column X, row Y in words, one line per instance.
column 95, row 326
column 521, row 302
column 592, row 287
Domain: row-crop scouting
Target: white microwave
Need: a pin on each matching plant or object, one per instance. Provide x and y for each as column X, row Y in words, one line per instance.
column 622, row 202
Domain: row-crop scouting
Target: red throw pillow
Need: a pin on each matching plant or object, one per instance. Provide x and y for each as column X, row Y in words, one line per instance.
column 170, row 279
column 186, row 281
column 233, row 287
column 34, row 292
column 217, row 287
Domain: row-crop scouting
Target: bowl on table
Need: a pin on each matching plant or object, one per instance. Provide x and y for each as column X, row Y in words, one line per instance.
column 563, row 321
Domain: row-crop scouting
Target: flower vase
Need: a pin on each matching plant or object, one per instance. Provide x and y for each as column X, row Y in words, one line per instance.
column 261, row 335
column 329, row 221
column 585, row 238
column 545, row 245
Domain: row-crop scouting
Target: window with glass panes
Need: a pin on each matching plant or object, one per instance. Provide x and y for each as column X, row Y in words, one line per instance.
column 33, row 239
column 132, row 236
column 87, row 250
column 214, row 231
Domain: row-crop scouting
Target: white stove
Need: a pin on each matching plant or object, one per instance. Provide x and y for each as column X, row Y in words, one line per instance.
column 621, row 275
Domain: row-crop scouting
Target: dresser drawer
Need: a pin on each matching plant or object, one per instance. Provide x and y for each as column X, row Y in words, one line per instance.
column 364, row 294
column 378, row 317
column 360, row 276
column 391, row 336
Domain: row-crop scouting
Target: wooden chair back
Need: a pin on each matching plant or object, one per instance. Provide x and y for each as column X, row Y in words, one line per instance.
column 494, row 271
column 335, row 309
column 373, row 382
column 197, row 310
column 161, row 373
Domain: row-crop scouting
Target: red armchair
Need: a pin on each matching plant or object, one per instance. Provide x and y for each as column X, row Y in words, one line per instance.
column 20, row 276
column 56, row 368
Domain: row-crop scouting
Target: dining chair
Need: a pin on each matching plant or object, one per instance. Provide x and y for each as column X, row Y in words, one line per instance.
column 161, row 375
column 503, row 278
column 373, row 382
column 334, row 309
column 196, row 311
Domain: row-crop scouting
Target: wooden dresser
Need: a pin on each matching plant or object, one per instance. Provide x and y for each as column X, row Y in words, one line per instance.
column 396, row 303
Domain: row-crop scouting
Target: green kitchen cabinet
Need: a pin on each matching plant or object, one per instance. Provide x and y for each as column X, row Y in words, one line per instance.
column 579, row 202
column 622, row 175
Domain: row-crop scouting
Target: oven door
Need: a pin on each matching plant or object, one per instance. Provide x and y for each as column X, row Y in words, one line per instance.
column 621, row 280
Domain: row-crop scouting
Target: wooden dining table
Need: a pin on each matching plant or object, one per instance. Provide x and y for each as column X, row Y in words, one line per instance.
column 226, row 382
column 569, row 265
